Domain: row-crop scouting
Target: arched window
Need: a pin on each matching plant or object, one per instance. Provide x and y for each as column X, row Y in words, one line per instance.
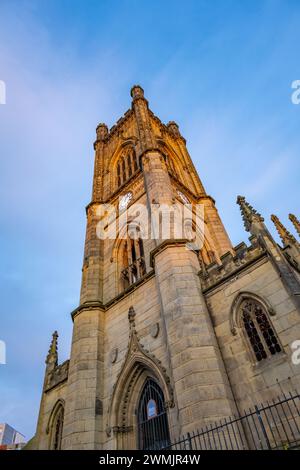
column 127, row 166
column 57, row 428
column 133, row 258
column 258, row 329
column 124, row 177
column 153, row 428
column 119, row 173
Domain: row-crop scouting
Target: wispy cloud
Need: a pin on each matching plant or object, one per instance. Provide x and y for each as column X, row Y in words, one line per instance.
column 222, row 70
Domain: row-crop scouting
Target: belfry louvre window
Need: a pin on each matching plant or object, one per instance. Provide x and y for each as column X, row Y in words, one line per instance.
column 126, row 167
column 259, row 331
column 153, row 428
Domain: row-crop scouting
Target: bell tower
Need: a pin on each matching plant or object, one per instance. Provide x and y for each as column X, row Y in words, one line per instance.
column 143, row 340
column 141, row 153
column 140, row 162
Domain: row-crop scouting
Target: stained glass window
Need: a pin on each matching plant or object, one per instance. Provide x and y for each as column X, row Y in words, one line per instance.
column 259, row 330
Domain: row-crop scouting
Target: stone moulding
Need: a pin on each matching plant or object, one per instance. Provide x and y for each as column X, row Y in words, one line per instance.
column 60, row 403
column 234, row 312
column 95, row 305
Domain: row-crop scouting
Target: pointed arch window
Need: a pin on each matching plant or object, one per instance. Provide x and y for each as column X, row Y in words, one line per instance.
column 126, row 166
column 133, row 258
column 153, row 428
column 258, row 329
column 57, row 428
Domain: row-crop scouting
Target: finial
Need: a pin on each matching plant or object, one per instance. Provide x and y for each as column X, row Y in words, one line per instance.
column 101, row 131
column 52, row 358
column 286, row 237
column 249, row 214
column 295, row 222
column 173, row 128
column 137, row 92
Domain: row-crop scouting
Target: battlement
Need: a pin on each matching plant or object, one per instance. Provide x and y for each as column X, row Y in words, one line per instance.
column 231, row 263
column 57, row 375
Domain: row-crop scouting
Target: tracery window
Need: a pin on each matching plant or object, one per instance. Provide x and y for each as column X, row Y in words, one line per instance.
column 127, row 166
column 133, row 259
column 259, row 331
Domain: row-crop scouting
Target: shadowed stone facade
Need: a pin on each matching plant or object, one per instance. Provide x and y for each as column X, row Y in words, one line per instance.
column 211, row 327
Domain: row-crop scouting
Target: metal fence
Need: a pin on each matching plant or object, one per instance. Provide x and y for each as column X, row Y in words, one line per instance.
column 270, row 426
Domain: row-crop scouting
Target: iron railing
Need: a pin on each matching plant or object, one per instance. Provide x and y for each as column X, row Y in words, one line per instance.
column 270, row 426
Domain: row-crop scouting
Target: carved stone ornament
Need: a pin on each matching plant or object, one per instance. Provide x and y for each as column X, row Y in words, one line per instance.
column 114, row 355
column 154, row 330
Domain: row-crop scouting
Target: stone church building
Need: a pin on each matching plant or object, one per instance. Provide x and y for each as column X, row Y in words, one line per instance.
column 168, row 335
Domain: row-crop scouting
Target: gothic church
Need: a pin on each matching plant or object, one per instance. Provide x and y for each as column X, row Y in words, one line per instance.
column 166, row 338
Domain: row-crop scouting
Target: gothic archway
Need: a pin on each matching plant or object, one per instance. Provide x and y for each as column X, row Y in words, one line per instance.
column 153, row 426
column 139, row 367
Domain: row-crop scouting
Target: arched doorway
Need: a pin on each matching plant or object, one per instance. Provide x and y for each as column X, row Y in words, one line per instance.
column 153, row 428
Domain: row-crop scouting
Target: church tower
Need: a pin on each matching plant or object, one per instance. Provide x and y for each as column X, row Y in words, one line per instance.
column 148, row 359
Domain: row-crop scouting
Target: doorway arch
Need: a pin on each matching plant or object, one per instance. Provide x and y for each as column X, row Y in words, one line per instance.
column 153, row 427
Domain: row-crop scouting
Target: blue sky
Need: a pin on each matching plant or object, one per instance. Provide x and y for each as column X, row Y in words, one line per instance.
column 221, row 69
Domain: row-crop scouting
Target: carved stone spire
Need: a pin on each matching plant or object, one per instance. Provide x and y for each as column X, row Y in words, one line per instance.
column 254, row 223
column 295, row 222
column 250, row 215
column 52, row 358
column 286, row 237
column 173, row 128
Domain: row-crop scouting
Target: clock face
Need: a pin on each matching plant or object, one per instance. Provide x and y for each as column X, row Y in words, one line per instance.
column 183, row 197
column 125, row 200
